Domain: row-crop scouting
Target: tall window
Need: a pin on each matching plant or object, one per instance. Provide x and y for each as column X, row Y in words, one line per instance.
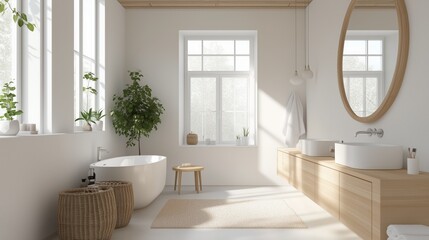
column 220, row 86
column 363, row 71
column 8, row 50
column 88, row 53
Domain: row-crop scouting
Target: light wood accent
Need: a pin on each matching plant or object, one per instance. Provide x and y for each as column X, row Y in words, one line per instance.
column 392, row 196
column 401, row 63
column 188, row 168
column 327, row 189
column 375, row 3
column 356, row 204
column 308, row 178
column 214, row 3
column 283, row 165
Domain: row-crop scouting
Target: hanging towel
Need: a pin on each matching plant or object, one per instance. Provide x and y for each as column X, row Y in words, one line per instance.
column 294, row 122
column 395, row 231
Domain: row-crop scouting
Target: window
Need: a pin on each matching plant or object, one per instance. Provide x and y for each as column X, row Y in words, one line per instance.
column 220, row 86
column 22, row 57
column 8, row 48
column 363, row 72
column 88, row 54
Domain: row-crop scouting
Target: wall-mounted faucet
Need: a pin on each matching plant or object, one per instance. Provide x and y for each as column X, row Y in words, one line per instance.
column 371, row 131
column 99, row 151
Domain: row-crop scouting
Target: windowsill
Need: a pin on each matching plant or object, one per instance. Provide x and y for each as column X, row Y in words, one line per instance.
column 217, row 145
column 32, row 135
column 27, row 134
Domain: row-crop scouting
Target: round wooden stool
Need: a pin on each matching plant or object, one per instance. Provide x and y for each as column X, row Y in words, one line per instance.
column 188, row 168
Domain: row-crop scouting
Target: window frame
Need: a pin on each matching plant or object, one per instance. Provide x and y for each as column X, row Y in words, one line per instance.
column 97, row 61
column 380, row 75
column 219, row 75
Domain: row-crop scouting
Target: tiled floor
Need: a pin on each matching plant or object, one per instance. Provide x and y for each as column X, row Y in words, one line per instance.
column 321, row 226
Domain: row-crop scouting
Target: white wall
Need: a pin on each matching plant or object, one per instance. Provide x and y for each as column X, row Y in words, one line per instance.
column 34, row 169
column 406, row 122
column 152, row 45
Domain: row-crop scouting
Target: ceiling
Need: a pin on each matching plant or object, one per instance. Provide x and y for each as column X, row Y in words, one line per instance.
column 214, row 3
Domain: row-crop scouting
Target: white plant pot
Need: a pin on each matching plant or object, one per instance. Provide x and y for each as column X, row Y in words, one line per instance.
column 86, row 127
column 9, row 128
column 244, row 141
column 98, row 126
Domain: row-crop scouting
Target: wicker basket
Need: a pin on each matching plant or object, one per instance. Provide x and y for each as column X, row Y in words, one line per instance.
column 86, row 213
column 192, row 139
column 124, row 200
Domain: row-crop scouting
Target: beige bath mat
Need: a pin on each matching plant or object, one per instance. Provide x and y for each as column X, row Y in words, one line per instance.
column 221, row 213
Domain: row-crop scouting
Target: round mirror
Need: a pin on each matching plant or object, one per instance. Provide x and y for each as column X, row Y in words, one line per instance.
column 372, row 56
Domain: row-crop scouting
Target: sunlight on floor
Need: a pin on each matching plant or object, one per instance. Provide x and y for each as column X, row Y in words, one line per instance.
column 320, row 224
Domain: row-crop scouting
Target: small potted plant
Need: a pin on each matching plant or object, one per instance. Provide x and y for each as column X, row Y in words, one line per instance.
column 238, row 140
column 89, row 77
column 245, row 139
column 98, row 116
column 8, row 125
column 87, row 117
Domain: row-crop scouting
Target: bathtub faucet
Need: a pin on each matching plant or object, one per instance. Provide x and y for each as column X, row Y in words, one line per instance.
column 99, row 151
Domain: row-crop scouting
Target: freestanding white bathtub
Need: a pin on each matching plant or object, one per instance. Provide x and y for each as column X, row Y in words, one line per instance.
column 146, row 172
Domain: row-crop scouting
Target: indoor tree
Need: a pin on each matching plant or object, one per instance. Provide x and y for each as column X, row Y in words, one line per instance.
column 136, row 112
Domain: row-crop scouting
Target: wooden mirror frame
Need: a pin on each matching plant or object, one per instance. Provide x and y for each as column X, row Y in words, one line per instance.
column 401, row 63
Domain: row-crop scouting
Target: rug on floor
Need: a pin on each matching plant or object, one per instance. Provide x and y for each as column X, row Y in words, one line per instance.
column 226, row 213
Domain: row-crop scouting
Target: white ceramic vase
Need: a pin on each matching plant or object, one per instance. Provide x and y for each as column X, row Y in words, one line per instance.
column 86, row 127
column 9, row 128
column 98, row 126
column 244, row 141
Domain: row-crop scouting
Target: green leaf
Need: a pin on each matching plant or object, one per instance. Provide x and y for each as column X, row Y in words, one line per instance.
column 30, row 26
column 20, row 22
column 23, row 16
column 15, row 17
column 1, row 7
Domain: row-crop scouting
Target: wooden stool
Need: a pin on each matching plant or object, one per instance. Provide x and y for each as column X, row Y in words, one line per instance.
column 188, row 168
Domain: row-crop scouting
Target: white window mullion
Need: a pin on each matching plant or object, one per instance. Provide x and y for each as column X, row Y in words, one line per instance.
column 18, row 71
column 42, row 73
column 219, row 137
column 97, row 61
column 81, row 107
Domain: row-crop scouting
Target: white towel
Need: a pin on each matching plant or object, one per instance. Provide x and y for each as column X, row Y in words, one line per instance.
column 294, row 123
column 395, row 231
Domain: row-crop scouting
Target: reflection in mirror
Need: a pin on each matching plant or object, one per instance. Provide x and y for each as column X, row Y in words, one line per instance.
column 372, row 56
column 369, row 55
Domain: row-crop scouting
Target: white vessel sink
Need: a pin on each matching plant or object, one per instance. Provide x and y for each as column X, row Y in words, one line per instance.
column 369, row 155
column 317, row 147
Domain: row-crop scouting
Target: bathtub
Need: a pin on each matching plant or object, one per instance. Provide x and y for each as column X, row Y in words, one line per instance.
column 146, row 172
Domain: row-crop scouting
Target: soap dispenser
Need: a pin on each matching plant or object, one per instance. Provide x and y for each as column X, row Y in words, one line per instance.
column 91, row 177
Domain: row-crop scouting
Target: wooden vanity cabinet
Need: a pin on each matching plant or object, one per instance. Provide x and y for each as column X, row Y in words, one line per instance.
column 356, row 205
column 327, row 191
column 366, row 201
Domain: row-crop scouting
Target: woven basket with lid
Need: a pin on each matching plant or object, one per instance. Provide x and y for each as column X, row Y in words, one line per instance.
column 86, row 213
column 192, row 139
column 124, row 200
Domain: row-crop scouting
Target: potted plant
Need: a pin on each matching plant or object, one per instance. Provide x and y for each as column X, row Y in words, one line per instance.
column 89, row 77
column 98, row 116
column 8, row 125
column 87, row 117
column 245, row 139
column 136, row 112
